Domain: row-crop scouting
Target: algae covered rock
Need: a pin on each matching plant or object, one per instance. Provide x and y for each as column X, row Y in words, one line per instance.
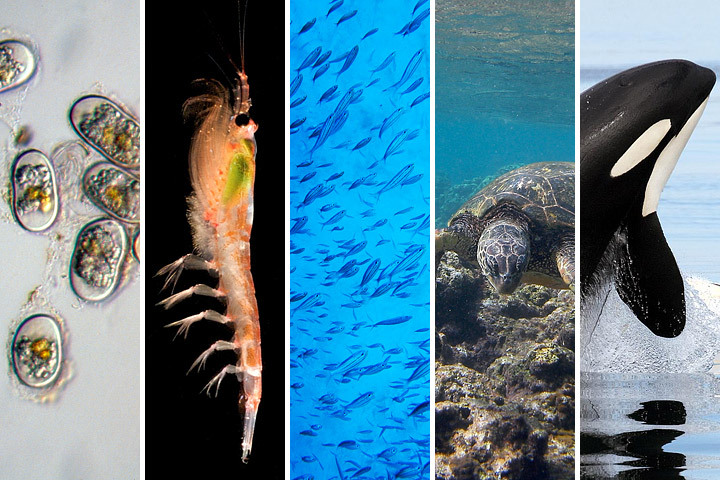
column 504, row 379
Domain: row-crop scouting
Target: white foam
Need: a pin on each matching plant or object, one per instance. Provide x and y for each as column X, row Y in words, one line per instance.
column 612, row 339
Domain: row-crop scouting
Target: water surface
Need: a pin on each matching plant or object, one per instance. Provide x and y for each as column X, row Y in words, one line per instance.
column 637, row 426
column 505, row 83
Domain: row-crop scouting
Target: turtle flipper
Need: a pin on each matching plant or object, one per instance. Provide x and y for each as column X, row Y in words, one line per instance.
column 444, row 240
column 461, row 237
column 565, row 259
column 648, row 278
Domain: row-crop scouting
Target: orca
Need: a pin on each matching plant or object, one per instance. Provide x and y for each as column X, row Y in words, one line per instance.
column 633, row 127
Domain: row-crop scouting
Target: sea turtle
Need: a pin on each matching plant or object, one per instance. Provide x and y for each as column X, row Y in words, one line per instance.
column 520, row 228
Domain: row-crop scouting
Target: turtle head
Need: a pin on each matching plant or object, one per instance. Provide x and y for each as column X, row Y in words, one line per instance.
column 503, row 254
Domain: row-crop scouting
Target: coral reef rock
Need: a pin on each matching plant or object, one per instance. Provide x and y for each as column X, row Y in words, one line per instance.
column 504, row 378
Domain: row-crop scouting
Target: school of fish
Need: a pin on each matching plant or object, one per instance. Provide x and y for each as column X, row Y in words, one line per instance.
column 359, row 253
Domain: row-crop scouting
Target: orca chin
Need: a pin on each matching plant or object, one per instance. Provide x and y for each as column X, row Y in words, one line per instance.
column 633, row 128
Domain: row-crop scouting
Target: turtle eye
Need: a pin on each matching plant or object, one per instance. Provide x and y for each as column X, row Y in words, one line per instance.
column 242, row 119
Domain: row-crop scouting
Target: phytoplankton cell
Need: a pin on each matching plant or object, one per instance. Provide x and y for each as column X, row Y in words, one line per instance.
column 35, row 195
column 17, row 64
column 37, row 351
column 108, row 128
column 114, row 191
column 23, row 135
column 97, row 259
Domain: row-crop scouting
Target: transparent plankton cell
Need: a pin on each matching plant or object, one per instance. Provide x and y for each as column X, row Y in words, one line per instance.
column 37, row 351
column 108, row 128
column 34, row 191
column 22, row 135
column 17, row 64
column 97, row 259
column 114, row 191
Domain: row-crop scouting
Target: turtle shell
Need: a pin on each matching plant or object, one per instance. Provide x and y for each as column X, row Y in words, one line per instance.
column 544, row 191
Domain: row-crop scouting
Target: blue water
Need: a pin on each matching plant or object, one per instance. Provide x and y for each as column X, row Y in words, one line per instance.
column 359, row 202
column 505, row 85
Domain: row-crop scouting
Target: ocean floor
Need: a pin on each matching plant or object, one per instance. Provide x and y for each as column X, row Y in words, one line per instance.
column 504, row 386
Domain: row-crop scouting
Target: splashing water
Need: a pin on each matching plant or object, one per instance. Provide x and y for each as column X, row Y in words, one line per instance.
column 614, row 340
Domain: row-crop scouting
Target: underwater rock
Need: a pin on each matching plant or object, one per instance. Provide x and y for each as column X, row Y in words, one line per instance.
column 504, row 378
column 458, row 291
column 449, row 417
column 551, row 362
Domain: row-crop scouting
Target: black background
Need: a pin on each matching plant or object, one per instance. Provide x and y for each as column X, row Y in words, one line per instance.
column 188, row 434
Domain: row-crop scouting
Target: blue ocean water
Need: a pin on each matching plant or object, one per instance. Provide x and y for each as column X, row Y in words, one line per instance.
column 505, row 87
column 359, row 201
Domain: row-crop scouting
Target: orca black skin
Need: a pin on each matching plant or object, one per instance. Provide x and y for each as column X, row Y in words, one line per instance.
column 632, row 130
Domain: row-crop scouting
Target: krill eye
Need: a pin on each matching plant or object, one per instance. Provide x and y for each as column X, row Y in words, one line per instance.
column 242, row 119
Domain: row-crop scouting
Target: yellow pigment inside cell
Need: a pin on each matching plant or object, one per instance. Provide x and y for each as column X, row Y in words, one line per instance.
column 46, row 204
column 115, row 196
column 41, row 348
column 122, row 141
column 91, row 246
column 108, row 136
column 37, row 193
column 33, row 193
